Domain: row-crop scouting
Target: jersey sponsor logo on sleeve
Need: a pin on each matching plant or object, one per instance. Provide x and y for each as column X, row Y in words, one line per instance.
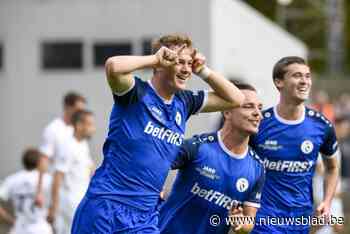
column 242, row 184
column 258, row 196
column 288, row 166
column 335, row 145
column 215, row 197
column 164, row 134
column 307, row 147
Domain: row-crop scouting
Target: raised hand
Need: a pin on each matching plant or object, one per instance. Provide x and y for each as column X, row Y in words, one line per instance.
column 199, row 61
column 167, row 57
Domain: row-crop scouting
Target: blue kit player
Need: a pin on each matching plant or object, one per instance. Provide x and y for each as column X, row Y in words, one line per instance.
column 218, row 172
column 289, row 141
column 146, row 129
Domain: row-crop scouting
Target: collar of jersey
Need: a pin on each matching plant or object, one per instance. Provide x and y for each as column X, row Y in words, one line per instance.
column 286, row 121
column 167, row 102
column 229, row 152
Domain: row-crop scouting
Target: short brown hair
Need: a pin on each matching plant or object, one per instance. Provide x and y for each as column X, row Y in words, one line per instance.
column 279, row 70
column 71, row 98
column 242, row 85
column 170, row 40
column 79, row 116
column 30, row 158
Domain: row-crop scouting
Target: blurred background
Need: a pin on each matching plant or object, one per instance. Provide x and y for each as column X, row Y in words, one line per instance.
column 50, row 47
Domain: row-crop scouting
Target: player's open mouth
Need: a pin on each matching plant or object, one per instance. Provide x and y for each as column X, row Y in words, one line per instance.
column 183, row 78
column 303, row 90
column 254, row 122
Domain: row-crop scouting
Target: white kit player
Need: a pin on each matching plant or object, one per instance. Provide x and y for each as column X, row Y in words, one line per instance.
column 59, row 129
column 73, row 168
column 20, row 189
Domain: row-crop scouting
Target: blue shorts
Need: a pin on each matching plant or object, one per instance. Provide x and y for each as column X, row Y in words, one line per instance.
column 103, row 216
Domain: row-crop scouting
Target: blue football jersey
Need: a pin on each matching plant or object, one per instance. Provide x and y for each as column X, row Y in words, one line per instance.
column 210, row 180
column 145, row 133
column 289, row 151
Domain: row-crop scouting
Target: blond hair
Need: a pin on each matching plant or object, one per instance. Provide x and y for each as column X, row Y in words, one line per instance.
column 171, row 40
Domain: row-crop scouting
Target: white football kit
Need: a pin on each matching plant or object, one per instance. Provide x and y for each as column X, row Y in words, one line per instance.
column 54, row 133
column 74, row 160
column 20, row 188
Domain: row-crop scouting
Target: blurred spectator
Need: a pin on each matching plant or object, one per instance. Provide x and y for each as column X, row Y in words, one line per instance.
column 342, row 129
column 321, row 103
column 342, row 106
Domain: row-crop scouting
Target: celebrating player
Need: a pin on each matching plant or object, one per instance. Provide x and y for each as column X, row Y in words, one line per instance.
column 73, row 168
column 146, row 129
column 289, row 140
column 20, row 188
column 218, row 172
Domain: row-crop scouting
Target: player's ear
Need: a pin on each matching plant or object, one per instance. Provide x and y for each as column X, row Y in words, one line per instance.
column 278, row 83
column 226, row 114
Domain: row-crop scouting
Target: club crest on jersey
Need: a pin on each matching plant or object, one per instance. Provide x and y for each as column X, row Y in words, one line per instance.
column 178, row 118
column 307, row 147
column 242, row 184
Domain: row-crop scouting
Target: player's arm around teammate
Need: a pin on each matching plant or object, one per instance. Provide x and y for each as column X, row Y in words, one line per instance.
column 247, row 214
column 330, row 184
column 225, row 95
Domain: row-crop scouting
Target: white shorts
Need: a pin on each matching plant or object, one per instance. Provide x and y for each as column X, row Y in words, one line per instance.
column 40, row 227
column 337, row 207
column 63, row 225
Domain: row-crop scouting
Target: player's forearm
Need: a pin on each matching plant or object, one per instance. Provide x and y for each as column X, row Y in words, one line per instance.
column 55, row 189
column 225, row 89
column 42, row 169
column 330, row 182
column 4, row 215
column 40, row 182
column 127, row 64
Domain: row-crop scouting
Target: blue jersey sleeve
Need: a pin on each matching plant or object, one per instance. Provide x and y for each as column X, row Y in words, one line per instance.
column 330, row 145
column 194, row 101
column 255, row 195
column 131, row 96
column 187, row 153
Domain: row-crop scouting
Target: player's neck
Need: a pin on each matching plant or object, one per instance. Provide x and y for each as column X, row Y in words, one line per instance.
column 66, row 118
column 77, row 136
column 289, row 110
column 233, row 140
column 161, row 88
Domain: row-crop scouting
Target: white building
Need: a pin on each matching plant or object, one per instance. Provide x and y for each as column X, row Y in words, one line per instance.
column 237, row 40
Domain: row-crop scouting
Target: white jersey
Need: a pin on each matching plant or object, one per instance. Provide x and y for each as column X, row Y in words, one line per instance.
column 20, row 188
column 53, row 134
column 74, row 160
